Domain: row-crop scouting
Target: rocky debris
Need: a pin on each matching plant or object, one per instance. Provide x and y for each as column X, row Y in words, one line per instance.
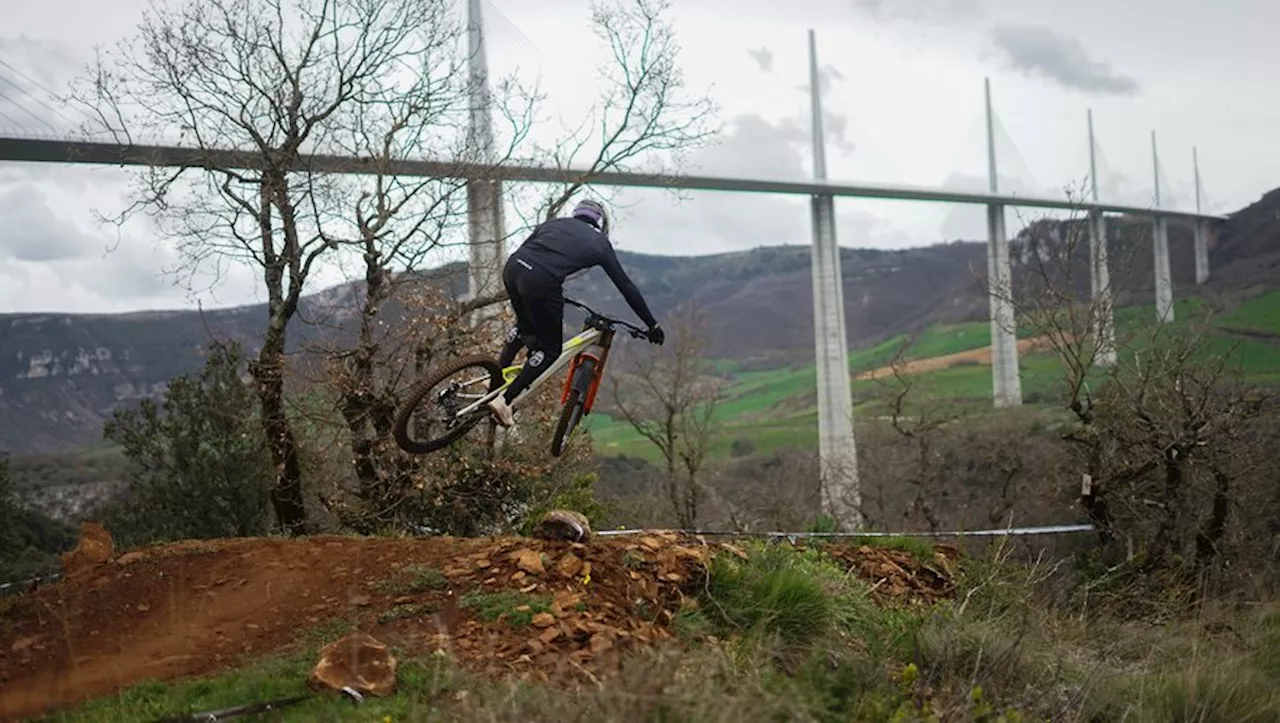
column 564, row 525
column 94, row 548
column 897, row 576
column 566, row 608
column 357, row 661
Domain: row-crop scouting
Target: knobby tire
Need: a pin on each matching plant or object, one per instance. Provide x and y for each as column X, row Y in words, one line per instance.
column 571, row 412
column 404, row 417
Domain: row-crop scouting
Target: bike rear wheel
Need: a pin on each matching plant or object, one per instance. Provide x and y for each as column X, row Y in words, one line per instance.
column 572, row 411
column 476, row 377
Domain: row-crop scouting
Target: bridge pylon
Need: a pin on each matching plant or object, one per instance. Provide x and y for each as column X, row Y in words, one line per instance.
column 484, row 195
column 837, row 450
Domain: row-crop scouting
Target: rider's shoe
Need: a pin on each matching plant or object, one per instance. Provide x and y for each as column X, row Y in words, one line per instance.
column 502, row 412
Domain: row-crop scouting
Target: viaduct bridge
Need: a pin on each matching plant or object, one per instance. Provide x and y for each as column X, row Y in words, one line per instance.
column 837, row 447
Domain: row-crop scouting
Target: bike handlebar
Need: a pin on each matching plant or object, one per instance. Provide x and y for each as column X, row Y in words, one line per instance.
column 635, row 331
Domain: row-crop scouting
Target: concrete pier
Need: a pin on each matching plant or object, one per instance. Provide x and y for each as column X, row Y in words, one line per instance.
column 837, row 450
column 1160, row 248
column 1201, row 227
column 484, row 196
column 1005, row 377
column 1104, row 330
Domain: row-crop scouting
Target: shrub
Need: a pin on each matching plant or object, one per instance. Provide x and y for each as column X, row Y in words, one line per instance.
column 200, row 467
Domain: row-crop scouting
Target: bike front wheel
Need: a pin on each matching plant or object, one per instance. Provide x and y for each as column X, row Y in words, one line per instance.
column 439, row 398
column 571, row 412
column 570, row 415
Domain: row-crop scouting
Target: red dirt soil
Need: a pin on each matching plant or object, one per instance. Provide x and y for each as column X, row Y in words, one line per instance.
column 195, row 608
column 981, row 355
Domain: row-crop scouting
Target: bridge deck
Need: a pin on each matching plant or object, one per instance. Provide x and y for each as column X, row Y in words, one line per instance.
column 97, row 153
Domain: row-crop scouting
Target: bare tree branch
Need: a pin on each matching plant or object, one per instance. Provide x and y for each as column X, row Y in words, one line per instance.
column 669, row 397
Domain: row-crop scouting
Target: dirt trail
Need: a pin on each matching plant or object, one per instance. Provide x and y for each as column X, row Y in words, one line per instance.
column 199, row 607
column 981, row 355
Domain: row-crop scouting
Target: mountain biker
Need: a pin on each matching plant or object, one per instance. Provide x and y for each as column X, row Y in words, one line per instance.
column 534, row 277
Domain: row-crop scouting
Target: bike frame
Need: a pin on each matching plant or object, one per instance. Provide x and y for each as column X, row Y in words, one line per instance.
column 576, row 345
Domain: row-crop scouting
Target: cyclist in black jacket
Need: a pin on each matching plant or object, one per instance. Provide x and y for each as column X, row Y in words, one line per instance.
column 534, row 278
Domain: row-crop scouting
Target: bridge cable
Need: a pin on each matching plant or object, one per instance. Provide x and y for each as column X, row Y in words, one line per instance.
column 12, row 123
column 508, row 33
column 39, row 86
column 14, row 101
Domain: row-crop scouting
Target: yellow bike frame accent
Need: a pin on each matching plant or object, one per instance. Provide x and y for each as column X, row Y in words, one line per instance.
column 569, row 350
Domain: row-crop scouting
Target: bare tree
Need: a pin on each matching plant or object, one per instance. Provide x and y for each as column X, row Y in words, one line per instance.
column 279, row 80
column 918, row 418
column 1160, row 434
column 645, row 116
column 396, row 223
column 642, row 112
column 669, row 396
column 464, row 489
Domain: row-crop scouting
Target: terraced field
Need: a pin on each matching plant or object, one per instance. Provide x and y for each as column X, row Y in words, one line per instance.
column 777, row 409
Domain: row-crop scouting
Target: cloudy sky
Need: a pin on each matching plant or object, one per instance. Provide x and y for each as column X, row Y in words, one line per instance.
column 903, row 83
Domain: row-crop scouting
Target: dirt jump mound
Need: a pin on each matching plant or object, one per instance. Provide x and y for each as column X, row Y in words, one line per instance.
column 549, row 609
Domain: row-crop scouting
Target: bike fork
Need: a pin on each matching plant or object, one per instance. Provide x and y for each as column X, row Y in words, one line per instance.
column 587, row 386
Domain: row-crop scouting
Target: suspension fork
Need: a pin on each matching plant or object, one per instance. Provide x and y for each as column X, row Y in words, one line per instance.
column 603, row 343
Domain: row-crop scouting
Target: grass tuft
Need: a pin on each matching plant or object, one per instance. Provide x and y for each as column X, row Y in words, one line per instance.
column 413, row 579
column 515, row 607
column 1217, row 691
column 405, row 612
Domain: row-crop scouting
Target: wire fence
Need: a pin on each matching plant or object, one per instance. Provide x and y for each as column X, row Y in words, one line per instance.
column 995, row 532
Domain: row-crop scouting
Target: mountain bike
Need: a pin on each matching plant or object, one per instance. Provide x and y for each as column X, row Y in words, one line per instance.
column 459, row 404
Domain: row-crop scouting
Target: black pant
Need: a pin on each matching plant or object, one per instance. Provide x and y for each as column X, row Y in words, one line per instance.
column 538, row 300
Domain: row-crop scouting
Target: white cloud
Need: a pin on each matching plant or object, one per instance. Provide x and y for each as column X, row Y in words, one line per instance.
column 1044, row 51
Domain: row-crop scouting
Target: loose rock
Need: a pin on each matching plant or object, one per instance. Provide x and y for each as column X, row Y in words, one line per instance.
column 530, row 562
column 565, row 525
column 95, row 547
column 358, row 661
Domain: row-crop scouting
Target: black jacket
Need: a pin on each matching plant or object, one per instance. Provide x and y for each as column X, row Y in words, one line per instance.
column 564, row 246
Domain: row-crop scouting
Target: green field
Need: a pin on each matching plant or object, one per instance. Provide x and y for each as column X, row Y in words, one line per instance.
column 1260, row 314
column 777, row 409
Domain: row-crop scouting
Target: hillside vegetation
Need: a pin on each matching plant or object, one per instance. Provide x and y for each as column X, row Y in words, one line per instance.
column 776, row 409
column 61, row 375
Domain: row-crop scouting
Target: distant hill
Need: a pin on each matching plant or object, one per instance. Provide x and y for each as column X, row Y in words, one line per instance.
column 61, row 375
column 1245, row 258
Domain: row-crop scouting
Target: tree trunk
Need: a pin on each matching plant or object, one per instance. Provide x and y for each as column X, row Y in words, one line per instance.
column 1093, row 496
column 1211, row 531
column 1167, row 533
column 286, row 497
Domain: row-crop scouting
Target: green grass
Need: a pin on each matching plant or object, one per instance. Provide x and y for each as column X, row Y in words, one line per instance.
column 920, row 549
column 776, row 409
column 413, row 579
column 516, row 608
column 408, row 612
column 421, row 682
column 1260, row 314
column 798, row 596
